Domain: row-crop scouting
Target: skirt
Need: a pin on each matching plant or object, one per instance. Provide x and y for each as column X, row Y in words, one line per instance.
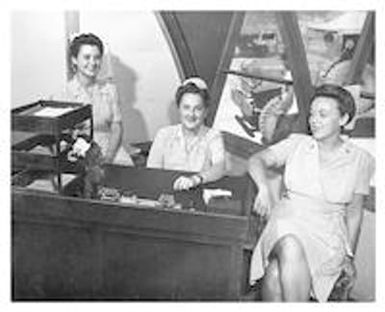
column 322, row 231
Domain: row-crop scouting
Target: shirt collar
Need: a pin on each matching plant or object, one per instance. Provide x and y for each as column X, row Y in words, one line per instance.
column 345, row 149
column 77, row 89
column 179, row 131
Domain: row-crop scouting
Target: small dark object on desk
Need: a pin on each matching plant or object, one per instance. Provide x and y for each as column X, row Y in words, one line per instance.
column 167, row 200
column 191, row 199
column 128, row 193
column 111, row 194
column 93, row 172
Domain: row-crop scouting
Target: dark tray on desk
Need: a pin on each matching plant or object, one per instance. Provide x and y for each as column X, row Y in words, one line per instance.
column 24, row 154
column 46, row 132
column 24, row 118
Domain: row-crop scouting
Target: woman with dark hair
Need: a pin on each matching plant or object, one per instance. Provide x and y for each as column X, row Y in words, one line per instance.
column 311, row 234
column 86, row 52
column 190, row 145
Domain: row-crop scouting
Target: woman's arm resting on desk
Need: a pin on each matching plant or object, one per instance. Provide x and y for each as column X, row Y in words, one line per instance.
column 216, row 171
column 275, row 156
column 115, row 140
column 258, row 163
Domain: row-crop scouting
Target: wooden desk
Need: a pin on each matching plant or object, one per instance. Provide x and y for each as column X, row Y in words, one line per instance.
column 68, row 248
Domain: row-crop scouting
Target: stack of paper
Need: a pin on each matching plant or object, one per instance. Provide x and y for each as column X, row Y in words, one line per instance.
column 52, row 111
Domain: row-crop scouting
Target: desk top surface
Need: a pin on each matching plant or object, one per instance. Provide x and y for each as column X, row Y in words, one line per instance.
column 150, row 184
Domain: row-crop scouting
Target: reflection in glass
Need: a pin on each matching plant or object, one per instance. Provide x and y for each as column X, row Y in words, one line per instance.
column 259, row 88
column 260, row 79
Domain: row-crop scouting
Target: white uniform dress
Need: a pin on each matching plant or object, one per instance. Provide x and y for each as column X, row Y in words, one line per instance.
column 170, row 150
column 314, row 206
column 103, row 97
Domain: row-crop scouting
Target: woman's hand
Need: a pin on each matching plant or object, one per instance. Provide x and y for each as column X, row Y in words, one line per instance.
column 263, row 202
column 350, row 272
column 185, row 183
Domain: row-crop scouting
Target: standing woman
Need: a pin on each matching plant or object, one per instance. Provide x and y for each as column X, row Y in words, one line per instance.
column 190, row 145
column 312, row 233
column 86, row 52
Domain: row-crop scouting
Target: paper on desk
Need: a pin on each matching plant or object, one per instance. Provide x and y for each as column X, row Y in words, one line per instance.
column 48, row 183
column 52, row 111
column 210, row 193
column 140, row 202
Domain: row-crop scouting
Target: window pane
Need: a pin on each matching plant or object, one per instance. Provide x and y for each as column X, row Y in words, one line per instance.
column 260, row 74
column 260, row 55
column 330, row 39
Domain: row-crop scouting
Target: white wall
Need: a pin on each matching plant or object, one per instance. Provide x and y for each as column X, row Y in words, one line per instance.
column 364, row 289
column 141, row 65
column 139, row 60
column 37, row 55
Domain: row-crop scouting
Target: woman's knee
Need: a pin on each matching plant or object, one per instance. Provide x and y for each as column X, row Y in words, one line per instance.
column 272, row 272
column 271, row 281
column 290, row 247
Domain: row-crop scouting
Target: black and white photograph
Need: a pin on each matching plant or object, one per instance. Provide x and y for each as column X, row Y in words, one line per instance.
column 191, row 154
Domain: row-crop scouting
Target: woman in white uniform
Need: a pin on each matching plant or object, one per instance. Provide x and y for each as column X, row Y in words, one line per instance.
column 86, row 52
column 190, row 145
column 312, row 233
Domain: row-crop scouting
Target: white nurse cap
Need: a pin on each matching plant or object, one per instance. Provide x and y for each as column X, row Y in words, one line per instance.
column 199, row 82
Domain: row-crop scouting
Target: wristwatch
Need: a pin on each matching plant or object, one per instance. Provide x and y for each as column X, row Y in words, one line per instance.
column 199, row 177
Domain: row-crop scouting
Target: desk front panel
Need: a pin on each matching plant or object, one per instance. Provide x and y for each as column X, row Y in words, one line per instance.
column 77, row 249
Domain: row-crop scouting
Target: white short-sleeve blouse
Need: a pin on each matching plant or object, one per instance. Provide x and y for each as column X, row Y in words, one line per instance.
column 170, row 150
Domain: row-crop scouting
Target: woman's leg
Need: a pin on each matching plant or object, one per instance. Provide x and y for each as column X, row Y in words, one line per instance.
column 293, row 269
column 271, row 284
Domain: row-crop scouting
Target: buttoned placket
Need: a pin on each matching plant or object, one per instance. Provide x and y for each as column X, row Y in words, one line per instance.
column 313, row 152
column 84, row 95
column 343, row 151
column 193, row 144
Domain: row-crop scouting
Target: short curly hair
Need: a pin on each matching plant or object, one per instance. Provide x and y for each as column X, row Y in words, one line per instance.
column 194, row 89
column 85, row 39
column 345, row 100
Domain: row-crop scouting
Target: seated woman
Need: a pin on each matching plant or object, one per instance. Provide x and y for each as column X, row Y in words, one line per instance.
column 190, row 145
column 86, row 51
column 312, row 233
